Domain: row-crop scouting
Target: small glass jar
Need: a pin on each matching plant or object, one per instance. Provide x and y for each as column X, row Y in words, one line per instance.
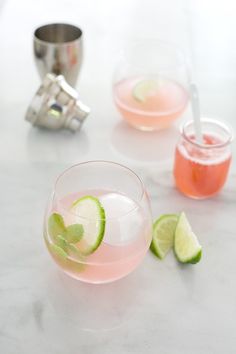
column 201, row 169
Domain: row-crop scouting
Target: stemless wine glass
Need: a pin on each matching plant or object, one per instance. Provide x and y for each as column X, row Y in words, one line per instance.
column 151, row 84
column 98, row 223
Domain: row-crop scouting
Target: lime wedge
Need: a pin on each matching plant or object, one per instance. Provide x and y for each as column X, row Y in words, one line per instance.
column 91, row 215
column 163, row 234
column 145, row 88
column 186, row 245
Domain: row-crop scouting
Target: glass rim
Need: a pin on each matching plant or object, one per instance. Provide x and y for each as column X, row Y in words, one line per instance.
column 58, row 202
column 224, row 126
column 138, row 42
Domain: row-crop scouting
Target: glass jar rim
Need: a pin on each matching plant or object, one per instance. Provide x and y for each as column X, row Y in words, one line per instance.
column 224, row 126
column 58, row 202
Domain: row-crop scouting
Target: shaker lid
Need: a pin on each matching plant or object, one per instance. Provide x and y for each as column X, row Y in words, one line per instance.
column 56, row 105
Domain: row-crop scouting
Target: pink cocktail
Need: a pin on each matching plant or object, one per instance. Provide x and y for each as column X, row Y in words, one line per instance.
column 150, row 85
column 162, row 103
column 127, row 222
column 200, row 170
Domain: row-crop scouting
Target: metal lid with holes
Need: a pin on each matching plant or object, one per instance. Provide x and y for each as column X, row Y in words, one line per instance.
column 56, row 105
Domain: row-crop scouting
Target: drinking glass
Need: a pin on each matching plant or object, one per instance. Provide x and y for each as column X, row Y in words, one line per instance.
column 151, row 84
column 127, row 221
column 201, row 169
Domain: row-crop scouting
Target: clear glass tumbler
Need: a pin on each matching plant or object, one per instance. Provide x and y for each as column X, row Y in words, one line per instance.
column 151, row 84
column 98, row 223
column 201, row 169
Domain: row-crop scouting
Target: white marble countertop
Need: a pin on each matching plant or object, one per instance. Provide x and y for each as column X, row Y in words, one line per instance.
column 162, row 307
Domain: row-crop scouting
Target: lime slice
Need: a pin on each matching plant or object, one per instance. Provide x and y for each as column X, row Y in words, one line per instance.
column 186, row 245
column 145, row 88
column 91, row 215
column 163, row 234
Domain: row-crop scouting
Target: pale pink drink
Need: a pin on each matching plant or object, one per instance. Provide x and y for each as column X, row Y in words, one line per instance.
column 161, row 105
column 150, row 85
column 128, row 223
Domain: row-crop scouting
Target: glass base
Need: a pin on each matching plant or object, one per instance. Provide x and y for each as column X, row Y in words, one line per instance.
column 147, row 128
column 99, row 278
column 95, row 282
column 199, row 197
